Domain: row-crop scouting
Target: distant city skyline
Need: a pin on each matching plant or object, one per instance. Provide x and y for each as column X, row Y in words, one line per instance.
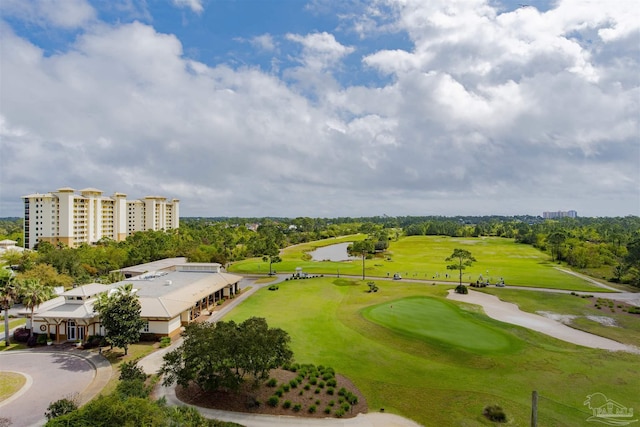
column 325, row 109
column 559, row 214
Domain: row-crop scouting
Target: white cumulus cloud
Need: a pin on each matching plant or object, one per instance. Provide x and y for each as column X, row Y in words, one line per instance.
column 482, row 111
column 194, row 5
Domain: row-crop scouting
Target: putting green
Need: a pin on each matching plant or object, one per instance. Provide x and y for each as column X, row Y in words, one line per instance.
column 440, row 322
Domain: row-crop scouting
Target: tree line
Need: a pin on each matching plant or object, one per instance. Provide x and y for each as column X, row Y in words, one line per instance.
column 610, row 245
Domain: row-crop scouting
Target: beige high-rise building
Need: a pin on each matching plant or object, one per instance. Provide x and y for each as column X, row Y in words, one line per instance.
column 70, row 218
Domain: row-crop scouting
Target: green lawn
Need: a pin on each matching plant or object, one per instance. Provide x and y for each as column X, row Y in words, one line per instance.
column 116, row 356
column 10, row 383
column 13, row 323
column 12, row 346
column 424, row 374
column 441, row 323
column 423, row 257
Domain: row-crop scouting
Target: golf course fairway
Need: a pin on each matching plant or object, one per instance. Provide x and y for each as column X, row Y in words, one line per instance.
column 439, row 322
column 440, row 363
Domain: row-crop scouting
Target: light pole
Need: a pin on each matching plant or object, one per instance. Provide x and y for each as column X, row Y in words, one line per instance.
column 363, row 253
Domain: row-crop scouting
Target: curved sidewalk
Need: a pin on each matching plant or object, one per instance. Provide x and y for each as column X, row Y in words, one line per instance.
column 375, row 419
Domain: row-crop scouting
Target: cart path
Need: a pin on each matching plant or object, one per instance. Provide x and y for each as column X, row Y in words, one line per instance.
column 372, row 419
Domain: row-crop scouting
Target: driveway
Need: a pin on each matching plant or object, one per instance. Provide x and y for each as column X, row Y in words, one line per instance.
column 51, row 375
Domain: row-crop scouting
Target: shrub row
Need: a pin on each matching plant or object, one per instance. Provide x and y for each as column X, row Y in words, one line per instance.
column 322, row 379
column 303, row 277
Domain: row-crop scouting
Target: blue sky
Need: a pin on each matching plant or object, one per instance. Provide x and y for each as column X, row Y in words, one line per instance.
column 324, row 108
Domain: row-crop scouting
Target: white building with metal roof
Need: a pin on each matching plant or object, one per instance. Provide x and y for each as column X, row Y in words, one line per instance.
column 169, row 300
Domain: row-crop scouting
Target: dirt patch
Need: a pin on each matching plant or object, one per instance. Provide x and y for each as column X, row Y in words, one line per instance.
column 245, row 400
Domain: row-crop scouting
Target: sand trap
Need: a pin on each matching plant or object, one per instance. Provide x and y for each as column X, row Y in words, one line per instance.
column 510, row 313
column 565, row 319
column 603, row 320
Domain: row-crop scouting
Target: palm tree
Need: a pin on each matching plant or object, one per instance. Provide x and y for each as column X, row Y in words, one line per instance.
column 8, row 294
column 33, row 294
column 115, row 276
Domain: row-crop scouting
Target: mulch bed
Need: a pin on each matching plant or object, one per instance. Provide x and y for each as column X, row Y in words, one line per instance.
column 241, row 400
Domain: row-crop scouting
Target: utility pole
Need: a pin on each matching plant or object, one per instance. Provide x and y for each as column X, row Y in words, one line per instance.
column 363, row 254
column 534, row 409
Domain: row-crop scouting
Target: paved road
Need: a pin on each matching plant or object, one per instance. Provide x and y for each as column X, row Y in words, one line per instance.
column 51, row 375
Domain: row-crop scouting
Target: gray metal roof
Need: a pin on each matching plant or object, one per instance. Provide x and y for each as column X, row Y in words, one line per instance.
column 87, row 290
column 162, row 264
column 163, row 294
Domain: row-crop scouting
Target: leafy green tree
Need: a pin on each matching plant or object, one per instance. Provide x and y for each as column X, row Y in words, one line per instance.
column 61, row 407
column 207, row 253
column 120, row 316
column 555, row 240
column 8, row 294
column 188, row 416
column 619, row 270
column 117, row 409
column 32, row 294
column 221, row 355
column 204, row 357
column 65, row 260
column 47, row 276
column 633, row 260
column 262, row 348
column 133, row 388
column 11, row 257
column 114, row 410
column 23, row 261
column 131, row 371
column 461, row 259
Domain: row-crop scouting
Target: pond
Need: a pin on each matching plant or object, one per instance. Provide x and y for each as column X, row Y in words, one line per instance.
column 337, row 252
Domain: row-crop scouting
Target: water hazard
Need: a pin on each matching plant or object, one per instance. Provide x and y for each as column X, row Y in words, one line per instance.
column 337, row 252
